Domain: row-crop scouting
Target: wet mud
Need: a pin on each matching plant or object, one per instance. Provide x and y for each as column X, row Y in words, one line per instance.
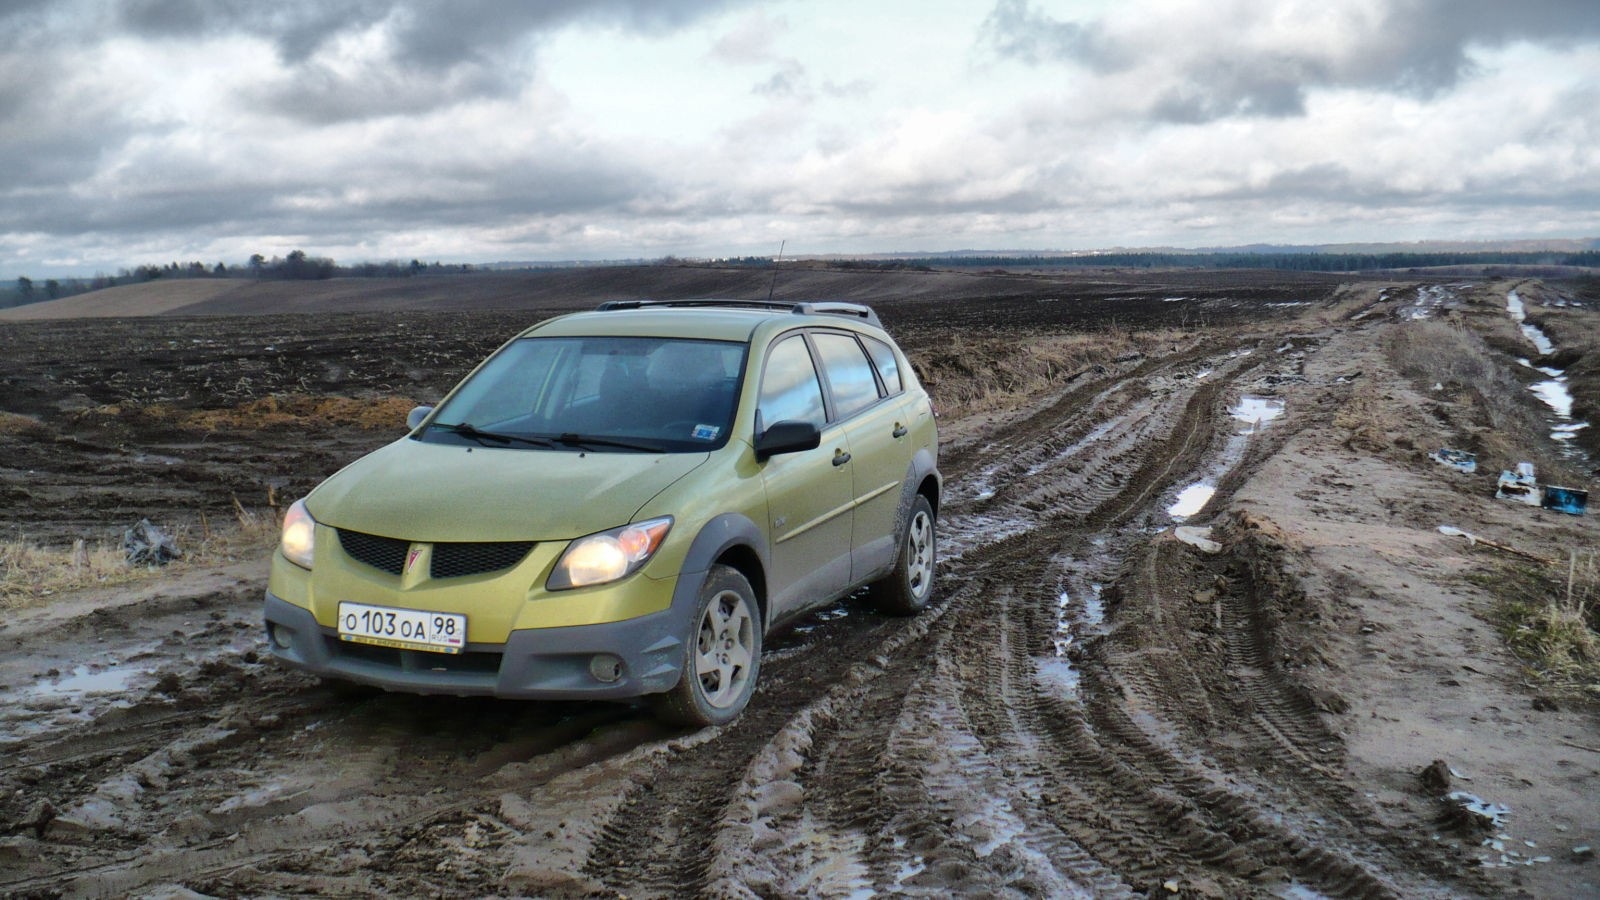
column 1092, row 706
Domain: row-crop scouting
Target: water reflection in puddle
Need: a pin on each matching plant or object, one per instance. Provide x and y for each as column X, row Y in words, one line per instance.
column 1554, row 392
column 1518, row 311
column 1076, row 620
column 84, row 680
column 1191, row 500
column 1256, row 411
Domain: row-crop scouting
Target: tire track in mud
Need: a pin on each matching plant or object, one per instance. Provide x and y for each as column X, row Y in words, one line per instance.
column 852, row 812
column 212, row 841
column 1004, row 742
column 951, row 764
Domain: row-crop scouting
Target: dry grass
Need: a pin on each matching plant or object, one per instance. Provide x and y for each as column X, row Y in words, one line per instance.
column 290, row 410
column 967, row 374
column 1550, row 617
column 31, row 575
column 11, row 423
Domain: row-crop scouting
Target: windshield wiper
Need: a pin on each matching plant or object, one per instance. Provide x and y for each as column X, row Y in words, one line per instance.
column 589, row 440
column 468, row 430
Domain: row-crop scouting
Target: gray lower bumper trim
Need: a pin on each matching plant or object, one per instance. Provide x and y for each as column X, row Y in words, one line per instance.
column 538, row 663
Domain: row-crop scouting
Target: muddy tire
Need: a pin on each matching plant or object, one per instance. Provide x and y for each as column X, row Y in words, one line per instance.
column 723, row 654
column 906, row 590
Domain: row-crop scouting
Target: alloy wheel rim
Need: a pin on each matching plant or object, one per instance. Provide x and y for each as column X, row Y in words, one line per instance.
column 725, row 649
column 919, row 555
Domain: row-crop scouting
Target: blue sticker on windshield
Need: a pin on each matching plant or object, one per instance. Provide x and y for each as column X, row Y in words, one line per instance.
column 706, row 432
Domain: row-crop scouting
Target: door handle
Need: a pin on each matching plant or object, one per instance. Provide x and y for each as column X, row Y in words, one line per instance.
column 899, row 430
column 840, row 458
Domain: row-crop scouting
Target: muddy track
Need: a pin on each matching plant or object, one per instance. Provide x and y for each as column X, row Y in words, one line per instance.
column 1091, row 709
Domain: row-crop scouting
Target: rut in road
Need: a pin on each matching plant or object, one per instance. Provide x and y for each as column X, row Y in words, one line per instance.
column 1089, row 709
column 1006, row 742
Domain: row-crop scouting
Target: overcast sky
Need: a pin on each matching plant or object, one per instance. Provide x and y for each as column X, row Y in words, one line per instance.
column 136, row 131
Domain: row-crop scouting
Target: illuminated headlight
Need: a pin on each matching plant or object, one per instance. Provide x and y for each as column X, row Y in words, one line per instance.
column 299, row 536
column 609, row 555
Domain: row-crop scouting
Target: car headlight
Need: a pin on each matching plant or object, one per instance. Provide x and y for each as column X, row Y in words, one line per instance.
column 608, row 555
column 299, row 536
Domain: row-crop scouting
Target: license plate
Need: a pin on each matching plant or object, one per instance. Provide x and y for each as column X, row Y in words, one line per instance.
column 406, row 629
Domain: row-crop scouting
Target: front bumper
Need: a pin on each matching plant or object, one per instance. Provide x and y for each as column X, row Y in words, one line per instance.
column 535, row 663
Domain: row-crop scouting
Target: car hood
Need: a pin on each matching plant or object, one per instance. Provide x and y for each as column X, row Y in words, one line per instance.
column 440, row 492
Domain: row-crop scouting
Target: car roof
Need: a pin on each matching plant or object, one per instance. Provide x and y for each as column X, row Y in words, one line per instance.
column 728, row 320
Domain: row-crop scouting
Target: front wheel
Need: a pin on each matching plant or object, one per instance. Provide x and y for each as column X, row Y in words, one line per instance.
column 906, row 590
column 724, row 654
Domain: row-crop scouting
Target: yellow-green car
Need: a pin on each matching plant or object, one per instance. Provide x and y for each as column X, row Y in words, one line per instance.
column 621, row 503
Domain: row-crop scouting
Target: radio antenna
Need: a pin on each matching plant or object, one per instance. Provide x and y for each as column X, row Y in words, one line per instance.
column 774, row 286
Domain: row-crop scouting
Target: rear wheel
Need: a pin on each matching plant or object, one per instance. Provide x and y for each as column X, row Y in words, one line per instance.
column 724, row 654
column 906, row 590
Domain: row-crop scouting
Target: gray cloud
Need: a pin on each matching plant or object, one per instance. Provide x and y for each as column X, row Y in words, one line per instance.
column 429, row 34
column 1014, row 29
column 1418, row 48
column 440, row 51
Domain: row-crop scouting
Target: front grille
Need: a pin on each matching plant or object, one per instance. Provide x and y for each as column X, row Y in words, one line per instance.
column 450, row 560
column 388, row 554
column 456, row 560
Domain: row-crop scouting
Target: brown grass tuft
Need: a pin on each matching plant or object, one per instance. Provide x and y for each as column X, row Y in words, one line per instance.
column 1550, row 617
column 30, row 575
column 972, row 374
column 276, row 411
column 14, row 424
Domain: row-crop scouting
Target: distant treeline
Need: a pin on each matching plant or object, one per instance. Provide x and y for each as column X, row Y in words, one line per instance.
column 297, row 266
column 1300, row 262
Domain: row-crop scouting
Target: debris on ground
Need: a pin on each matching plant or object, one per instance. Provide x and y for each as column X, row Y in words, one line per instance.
column 1520, row 486
column 147, row 545
column 1198, row 537
column 1452, row 531
column 1572, row 501
column 1436, row 777
column 1460, row 460
column 1469, row 812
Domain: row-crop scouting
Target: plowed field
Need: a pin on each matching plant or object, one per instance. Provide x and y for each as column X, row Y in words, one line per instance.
column 1091, row 707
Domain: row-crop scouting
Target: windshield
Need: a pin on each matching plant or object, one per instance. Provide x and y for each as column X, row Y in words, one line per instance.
column 605, row 394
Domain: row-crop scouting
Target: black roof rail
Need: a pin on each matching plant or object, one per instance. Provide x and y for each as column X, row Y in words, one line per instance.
column 798, row 307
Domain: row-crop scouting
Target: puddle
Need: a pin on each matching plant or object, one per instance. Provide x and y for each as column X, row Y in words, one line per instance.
column 1191, row 500
column 1256, row 411
column 1554, row 392
column 910, row 868
column 1080, row 614
column 1058, row 674
column 1430, row 300
column 1519, row 314
column 84, row 680
column 1555, row 395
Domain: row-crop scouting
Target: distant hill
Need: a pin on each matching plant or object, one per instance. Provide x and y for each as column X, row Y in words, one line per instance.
column 554, row 290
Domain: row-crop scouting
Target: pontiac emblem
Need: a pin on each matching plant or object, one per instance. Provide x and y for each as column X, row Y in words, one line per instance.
column 411, row 557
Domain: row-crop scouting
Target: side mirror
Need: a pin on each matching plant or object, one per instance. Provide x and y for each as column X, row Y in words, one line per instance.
column 415, row 417
column 787, row 437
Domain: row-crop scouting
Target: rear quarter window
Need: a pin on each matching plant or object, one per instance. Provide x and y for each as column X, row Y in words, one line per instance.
column 848, row 371
column 887, row 363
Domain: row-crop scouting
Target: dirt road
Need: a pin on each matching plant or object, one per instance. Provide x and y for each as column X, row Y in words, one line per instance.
column 1092, row 707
